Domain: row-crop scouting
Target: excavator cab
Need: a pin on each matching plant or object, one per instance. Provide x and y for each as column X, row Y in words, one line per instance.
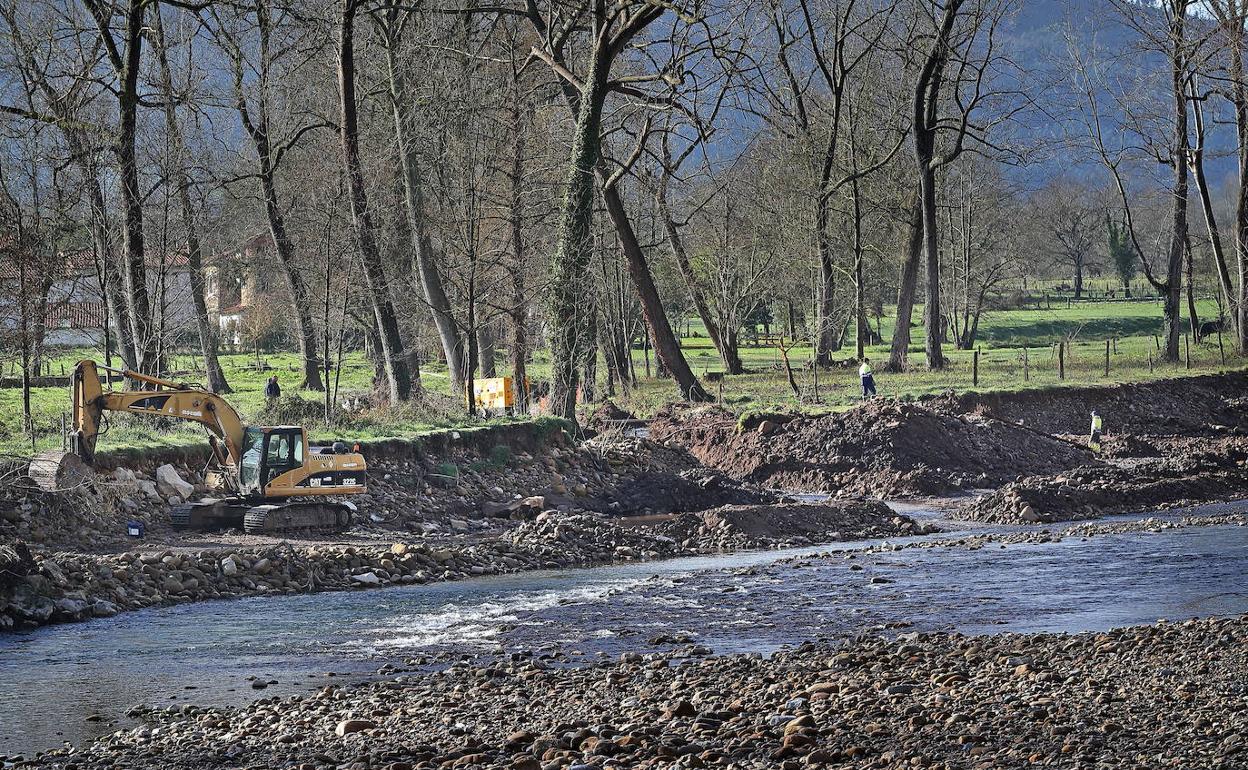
column 268, row 453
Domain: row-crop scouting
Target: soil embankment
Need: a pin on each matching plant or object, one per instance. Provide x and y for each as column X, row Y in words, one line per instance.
column 1167, row 443
column 445, row 508
column 882, row 448
column 921, row 700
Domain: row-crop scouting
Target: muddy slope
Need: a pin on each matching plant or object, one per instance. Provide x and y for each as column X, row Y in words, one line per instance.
column 882, row 448
column 1175, row 407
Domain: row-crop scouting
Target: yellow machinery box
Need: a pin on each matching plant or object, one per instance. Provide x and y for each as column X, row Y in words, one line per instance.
column 494, row 393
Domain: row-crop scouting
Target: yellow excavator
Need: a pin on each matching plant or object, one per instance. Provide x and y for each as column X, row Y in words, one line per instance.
column 259, row 472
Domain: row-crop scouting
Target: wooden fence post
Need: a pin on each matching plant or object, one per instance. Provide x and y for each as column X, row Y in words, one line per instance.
column 975, row 369
column 1221, row 350
column 1026, row 366
column 1061, row 360
column 1150, row 362
column 1106, row 358
column 1187, row 350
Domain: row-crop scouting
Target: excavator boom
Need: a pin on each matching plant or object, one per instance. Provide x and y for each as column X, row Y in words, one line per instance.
column 165, row 399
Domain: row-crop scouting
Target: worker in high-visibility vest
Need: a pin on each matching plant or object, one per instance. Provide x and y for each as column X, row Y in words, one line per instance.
column 868, row 379
column 1094, row 438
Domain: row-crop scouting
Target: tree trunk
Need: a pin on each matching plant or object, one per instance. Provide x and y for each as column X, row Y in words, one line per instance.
column 933, row 328
column 907, row 287
column 1225, row 285
column 860, row 304
column 1193, row 319
column 1172, row 286
column 826, row 339
column 258, row 131
column 423, row 260
column 518, row 311
column 485, row 349
column 110, row 286
column 1239, row 98
column 135, row 273
column 666, row 346
column 569, row 309
column 400, row 381
column 194, row 254
column 1078, row 279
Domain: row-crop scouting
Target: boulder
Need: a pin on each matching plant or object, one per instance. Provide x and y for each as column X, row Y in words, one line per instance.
column 169, row 483
column 349, row 726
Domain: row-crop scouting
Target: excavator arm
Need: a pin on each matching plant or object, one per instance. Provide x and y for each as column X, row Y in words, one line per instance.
column 165, row 399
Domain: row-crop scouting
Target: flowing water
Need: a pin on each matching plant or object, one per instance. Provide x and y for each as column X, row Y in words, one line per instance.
column 76, row 681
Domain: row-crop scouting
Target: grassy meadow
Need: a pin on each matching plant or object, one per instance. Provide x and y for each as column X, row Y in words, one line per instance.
column 1004, row 336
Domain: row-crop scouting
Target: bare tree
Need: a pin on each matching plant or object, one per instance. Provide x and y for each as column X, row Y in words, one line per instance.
column 182, row 183
column 255, row 113
column 957, row 48
column 400, row 379
column 392, row 21
column 611, row 30
column 1069, row 224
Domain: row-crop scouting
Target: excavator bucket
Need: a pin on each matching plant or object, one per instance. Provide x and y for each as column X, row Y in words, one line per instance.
column 57, row 471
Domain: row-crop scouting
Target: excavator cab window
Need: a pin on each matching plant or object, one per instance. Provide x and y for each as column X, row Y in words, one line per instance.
column 253, row 454
column 283, row 453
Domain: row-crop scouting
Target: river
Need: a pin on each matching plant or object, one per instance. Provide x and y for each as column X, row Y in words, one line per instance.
column 71, row 683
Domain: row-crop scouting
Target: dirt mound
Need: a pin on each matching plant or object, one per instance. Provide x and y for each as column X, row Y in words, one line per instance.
column 757, row 526
column 1201, row 405
column 1094, row 491
column 653, row 478
column 882, row 448
column 607, row 415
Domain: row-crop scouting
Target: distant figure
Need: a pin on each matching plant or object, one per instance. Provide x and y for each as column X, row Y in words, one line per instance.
column 272, row 391
column 1208, row 328
column 1094, row 437
column 868, row 379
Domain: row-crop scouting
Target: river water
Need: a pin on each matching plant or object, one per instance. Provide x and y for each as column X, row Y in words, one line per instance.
column 71, row 683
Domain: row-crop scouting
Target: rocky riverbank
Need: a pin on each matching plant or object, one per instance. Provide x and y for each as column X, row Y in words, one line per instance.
column 65, row 587
column 1166, row 695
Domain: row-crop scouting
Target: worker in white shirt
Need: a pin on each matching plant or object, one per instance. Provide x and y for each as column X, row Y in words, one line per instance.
column 868, row 379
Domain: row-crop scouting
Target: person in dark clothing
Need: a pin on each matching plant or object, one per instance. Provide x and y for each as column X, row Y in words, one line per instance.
column 272, row 391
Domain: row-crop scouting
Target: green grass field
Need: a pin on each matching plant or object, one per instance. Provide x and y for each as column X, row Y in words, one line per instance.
column 1004, row 336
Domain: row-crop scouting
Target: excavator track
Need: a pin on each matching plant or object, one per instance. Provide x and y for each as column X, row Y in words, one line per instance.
column 207, row 515
column 297, row 517
column 57, row 471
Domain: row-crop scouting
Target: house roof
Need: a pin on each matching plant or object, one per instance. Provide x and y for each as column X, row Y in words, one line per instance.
column 82, row 262
column 75, row 315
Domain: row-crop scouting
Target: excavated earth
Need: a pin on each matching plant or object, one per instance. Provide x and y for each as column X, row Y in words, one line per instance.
column 1167, row 443
column 489, row 504
column 882, row 448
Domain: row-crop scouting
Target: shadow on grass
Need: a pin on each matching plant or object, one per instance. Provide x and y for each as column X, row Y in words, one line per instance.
column 1048, row 331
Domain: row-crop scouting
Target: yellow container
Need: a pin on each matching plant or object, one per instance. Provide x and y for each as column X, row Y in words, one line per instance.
column 493, row 393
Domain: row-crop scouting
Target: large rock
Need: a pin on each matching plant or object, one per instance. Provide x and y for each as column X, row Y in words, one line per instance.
column 349, row 726
column 169, row 483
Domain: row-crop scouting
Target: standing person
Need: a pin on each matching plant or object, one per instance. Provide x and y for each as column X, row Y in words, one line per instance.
column 272, row 391
column 1094, row 436
column 868, row 379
